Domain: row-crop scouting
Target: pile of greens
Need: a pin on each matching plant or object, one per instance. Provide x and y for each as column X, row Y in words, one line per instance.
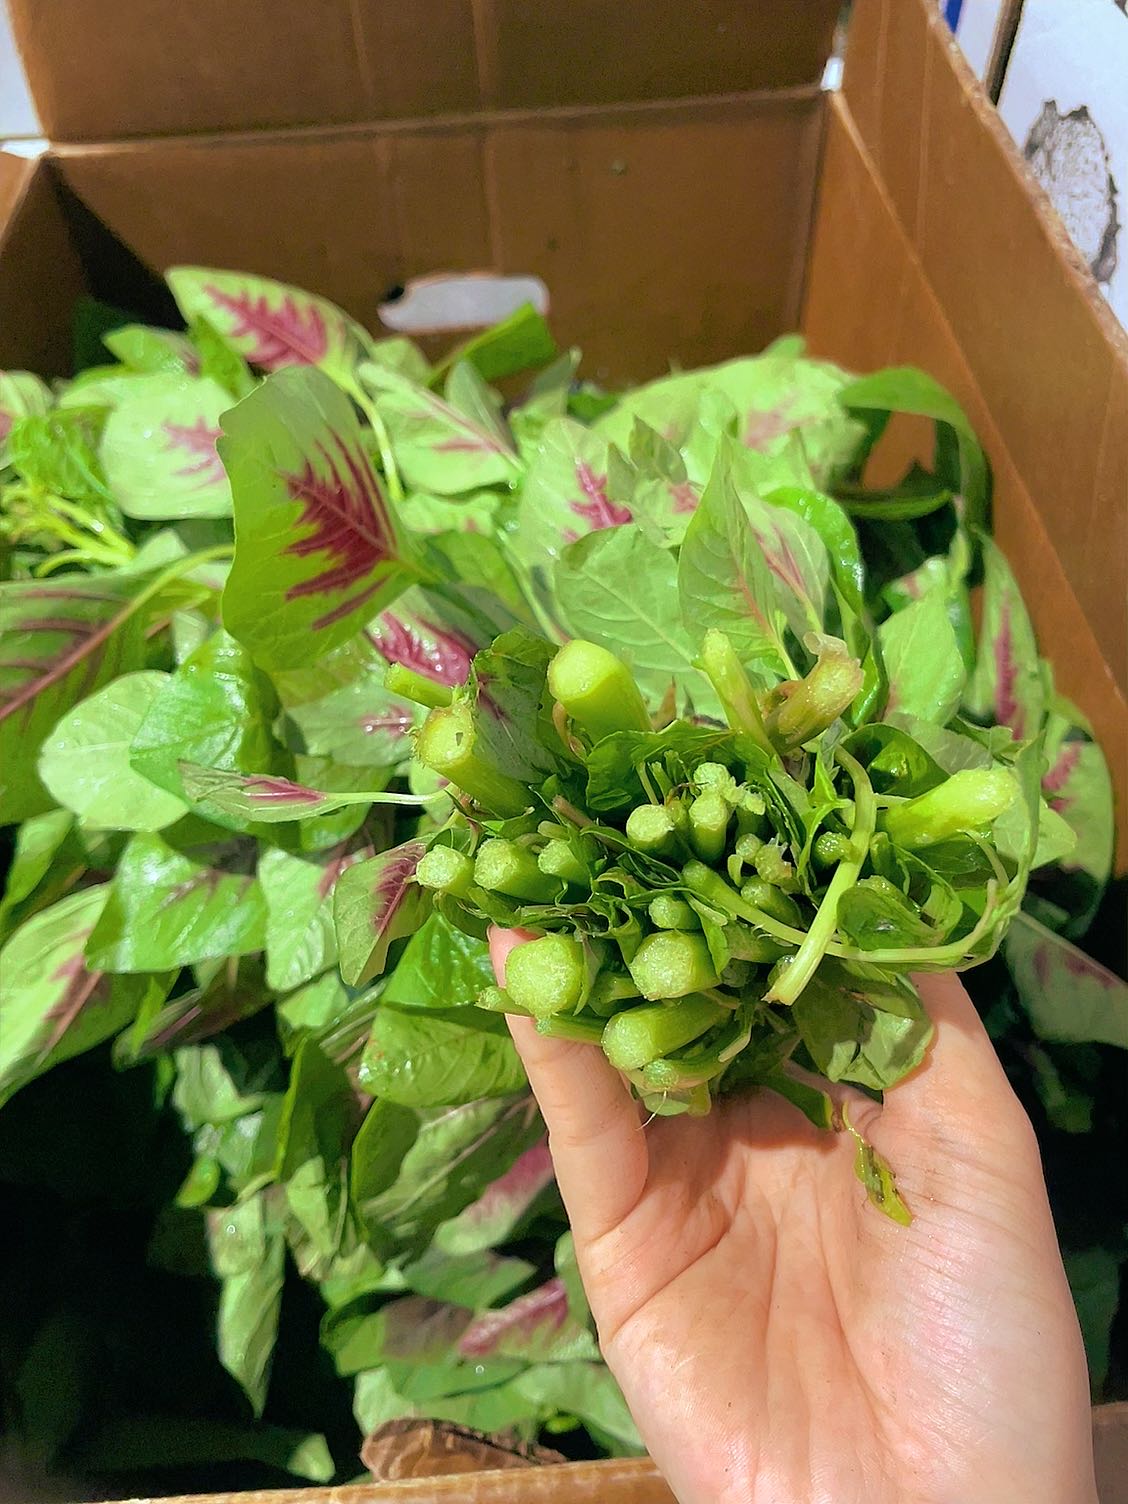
column 317, row 658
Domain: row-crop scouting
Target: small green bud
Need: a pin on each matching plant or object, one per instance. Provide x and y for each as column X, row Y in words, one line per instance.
column 773, row 866
column 447, row 871
column 772, row 900
column 808, row 706
column 636, row 1036
column 596, row 690
column 670, row 913
column 505, row 867
column 831, row 848
column 708, row 826
column 672, row 963
column 547, row 976
column 966, row 802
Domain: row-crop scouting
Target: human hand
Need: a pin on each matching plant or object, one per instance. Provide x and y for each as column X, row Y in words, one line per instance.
column 778, row 1340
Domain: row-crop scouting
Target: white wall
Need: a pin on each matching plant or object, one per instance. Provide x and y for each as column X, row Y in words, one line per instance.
column 17, row 113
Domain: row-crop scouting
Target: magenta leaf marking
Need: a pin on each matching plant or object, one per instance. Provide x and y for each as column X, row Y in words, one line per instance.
column 445, row 657
column 282, row 336
column 394, row 881
column 6, row 423
column 1007, row 707
column 782, row 562
column 598, row 511
column 547, row 1305
column 1056, row 780
column 90, row 640
column 81, row 988
column 467, row 446
column 340, row 858
column 762, row 427
column 512, row 1192
column 350, row 523
column 199, row 440
column 683, row 494
column 397, row 721
column 267, row 790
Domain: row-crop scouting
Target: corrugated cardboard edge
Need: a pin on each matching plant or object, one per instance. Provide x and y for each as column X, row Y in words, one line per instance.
column 859, row 242
column 633, row 1480
column 1045, row 349
column 291, row 63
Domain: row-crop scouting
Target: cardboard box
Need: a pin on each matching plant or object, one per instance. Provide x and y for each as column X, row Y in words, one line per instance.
column 678, row 180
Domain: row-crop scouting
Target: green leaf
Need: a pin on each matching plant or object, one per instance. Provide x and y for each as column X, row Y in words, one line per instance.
column 167, row 908
column 521, row 342
column 1094, row 1279
column 1069, row 997
column 248, row 1254
column 723, row 578
column 151, row 352
column 874, row 917
column 411, row 1171
column 439, row 1058
column 158, row 450
column 923, row 661
column 375, row 903
column 572, row 488
column 339, row 707
column 850, row 1040
column 441, row 446
column 895, row 760
column 207, row 1092
column 21, row 396
column 589, row 1391
column 271, row 324
column 53, row 1004
column 268, row 799
column 1007, row 685
column 618, row 589
column 904, row 389
column 511, row 722
column 85, row 761
column 1079, row 789
column 37, row 845
column 219, row 360
column 58, row 451
column 300, row 939
column 475, row 1280
column 441, row 967
column 317, row 552
column 215, row 711
column 63, row 639
column 796, row 558
column 313, row 1138
column 497, row 1213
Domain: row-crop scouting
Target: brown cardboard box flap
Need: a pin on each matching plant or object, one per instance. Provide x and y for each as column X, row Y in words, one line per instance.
column 606, row 205
column 1045, row 350
column 632, row 1480
column 860, row 244
column 158, row 67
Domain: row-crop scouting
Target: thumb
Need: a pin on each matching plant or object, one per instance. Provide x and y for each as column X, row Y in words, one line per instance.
column 594, row 1126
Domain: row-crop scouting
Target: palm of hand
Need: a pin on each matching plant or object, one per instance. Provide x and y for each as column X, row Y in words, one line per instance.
column 778, row 1340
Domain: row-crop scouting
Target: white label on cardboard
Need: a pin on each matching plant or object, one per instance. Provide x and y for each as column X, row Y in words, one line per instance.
column 1065, row 101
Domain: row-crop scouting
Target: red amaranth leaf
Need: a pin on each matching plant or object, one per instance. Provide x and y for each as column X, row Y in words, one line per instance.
column 317, row 552
column 492, row 1218
column 437, row 652
column 58, row 643
column 375, row 903
column 199, row 440
column 541, row 1312
column 1057, row 777
column 597, row 509
column 82, row 989
column 274, row 334
column 343, row 504
column 1007, row 708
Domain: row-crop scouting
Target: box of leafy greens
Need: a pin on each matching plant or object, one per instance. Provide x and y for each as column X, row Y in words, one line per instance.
column 674, row 189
